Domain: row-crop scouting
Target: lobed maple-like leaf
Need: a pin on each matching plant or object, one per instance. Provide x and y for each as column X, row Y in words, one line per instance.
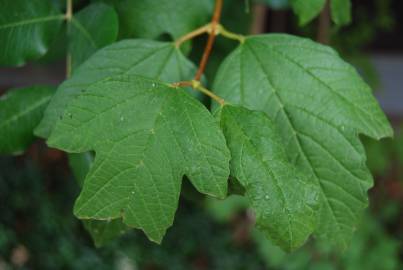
column 146, row 136
column 319, row 105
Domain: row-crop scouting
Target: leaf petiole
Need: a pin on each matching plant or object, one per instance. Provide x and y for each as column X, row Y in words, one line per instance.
column 197, row 32
column 220, row 30
column 199, row 87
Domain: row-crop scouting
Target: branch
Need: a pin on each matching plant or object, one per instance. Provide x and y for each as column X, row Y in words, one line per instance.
column 207, row 50
column 68, row 17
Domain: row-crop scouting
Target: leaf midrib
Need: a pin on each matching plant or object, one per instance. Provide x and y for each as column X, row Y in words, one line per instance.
column 32, row 21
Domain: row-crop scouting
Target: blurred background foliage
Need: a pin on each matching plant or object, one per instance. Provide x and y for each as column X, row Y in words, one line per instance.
column 37, row 189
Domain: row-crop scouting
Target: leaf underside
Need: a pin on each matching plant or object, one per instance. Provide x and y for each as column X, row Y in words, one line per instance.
column 319, row 105
column 154, row 59
column 146, row 136
column 283, row 200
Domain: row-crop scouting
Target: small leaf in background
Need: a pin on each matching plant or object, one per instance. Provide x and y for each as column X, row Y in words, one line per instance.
column 80, row 164
column 379, row 155
column 224, row 210
column 146, row 136
column 307, row 10
column 150, row 19
column 104, row 231
column 91, row 28
column 319, row 104
column 283, row 199
column 27, row 29
column 101, row 231
column 20, row 112
column 155, row 59
column 341, row 11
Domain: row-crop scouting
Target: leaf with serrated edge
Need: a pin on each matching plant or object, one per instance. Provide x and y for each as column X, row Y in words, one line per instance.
column 283, row 199
column 154, row 59
column 20, row 112
column 319, row 104
column 91, row 28
column 146, row 136
column 27, row 29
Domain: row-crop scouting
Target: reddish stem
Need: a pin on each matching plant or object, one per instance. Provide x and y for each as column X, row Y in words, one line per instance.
column 207, row 50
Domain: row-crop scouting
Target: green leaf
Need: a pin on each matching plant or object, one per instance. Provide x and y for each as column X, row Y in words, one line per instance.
column 27, row 29
column 283, row 199
column 92, row 28
column 80, row 164
column 320, row 105
column 159, row 60
column 101, row 231
column 20, row 112
column 150, row 19
column 341, row 11
column 104, row 231
column 307, row 10
column 146, row 136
